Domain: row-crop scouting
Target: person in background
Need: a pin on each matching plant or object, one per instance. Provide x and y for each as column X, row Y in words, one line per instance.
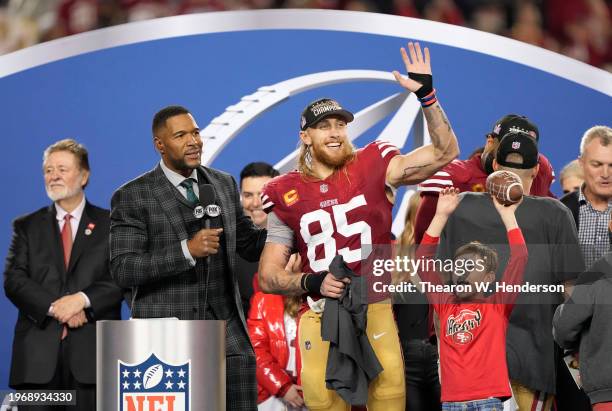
column 571, row 177
column 272, row 324
column 584, row 321
column 414, row 322
column 57, row 274
column 471, row 174
column 253, row 177
column 406, row 238
column 592, row 203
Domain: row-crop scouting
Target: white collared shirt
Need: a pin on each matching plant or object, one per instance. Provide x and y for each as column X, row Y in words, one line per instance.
column 176, row 179
column 76, row 214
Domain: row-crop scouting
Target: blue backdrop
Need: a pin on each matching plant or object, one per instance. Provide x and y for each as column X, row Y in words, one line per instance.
column 106, row 100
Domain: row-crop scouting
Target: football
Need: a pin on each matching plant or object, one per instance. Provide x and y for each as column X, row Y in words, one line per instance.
column 506, row 186
column 152, row 376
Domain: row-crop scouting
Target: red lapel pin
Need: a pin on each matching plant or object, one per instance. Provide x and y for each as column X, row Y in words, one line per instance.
column 89, row 228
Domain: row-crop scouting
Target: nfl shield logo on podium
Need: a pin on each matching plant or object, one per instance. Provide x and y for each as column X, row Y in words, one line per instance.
column 153, row 385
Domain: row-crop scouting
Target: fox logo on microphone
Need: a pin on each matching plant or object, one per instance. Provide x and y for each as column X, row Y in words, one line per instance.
column 153, row 385
column 213, row 210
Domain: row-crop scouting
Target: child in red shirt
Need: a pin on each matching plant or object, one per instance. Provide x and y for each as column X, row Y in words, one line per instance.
column 474, row 373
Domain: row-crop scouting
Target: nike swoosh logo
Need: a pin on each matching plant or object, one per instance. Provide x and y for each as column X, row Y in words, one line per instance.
column 377, row 336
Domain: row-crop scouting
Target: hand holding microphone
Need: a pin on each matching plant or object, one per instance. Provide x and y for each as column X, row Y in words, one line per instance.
column 205, row 242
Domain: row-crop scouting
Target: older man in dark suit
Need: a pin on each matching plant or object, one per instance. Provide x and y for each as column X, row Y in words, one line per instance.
column 175, row 264
column 57, row 274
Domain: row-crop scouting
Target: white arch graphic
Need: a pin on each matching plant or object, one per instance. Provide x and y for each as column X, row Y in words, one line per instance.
column 225, row 127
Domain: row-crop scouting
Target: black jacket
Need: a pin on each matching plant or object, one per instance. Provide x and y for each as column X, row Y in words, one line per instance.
column 586, row 320
column 571, row 201
column 35, row 276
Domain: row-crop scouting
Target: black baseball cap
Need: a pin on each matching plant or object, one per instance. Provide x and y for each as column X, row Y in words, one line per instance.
column 318, row 110
column 521, row 143
column 514, row 122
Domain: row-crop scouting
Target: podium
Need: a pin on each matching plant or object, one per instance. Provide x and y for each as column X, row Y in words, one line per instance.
column 160, row 364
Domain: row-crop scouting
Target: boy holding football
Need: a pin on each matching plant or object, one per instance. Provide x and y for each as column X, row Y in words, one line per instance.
column 474, row 374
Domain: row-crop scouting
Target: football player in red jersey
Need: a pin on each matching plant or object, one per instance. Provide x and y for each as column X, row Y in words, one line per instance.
column 471, row 174
column 339, row 201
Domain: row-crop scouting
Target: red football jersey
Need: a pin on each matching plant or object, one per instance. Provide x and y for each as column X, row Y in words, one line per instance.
column 468, row 175
column 342, row 214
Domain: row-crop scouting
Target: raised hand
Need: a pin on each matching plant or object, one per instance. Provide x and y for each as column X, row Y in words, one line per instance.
column 418, row 66
column 448, row 201
column 506, row 213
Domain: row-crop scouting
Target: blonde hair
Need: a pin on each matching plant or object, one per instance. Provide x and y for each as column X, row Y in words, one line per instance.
column 407, row 236
column 72, row 146
column 604, row 133
column 304, row 158
column 405, row 244
column 292, row 305
column 571, row 169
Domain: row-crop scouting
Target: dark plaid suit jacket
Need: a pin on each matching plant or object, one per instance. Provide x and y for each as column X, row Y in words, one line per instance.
column 146, row 254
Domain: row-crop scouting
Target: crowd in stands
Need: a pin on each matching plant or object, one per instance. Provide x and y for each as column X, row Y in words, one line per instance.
column 577, row 28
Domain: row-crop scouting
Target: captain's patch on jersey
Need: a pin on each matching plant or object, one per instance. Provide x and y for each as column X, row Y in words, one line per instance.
column 291, row 197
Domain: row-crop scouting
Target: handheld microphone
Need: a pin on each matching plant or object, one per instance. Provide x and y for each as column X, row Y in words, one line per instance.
column 207, row 199
column 207, row 209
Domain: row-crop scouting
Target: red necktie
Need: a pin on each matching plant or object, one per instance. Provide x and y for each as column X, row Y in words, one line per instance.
column 67, row 243
column 67, row 239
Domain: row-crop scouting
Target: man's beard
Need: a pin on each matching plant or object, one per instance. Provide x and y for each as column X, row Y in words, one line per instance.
column 63, row 193
column 334, row 161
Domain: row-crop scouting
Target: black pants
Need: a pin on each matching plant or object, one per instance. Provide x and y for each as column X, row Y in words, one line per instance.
column 64, row 380
column 421, row 370
column 569, row 397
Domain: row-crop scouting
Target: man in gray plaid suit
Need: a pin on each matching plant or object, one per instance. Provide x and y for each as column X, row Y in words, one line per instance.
column 173, row 266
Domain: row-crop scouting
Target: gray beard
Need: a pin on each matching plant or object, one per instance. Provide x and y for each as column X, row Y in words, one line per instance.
column 63, row 194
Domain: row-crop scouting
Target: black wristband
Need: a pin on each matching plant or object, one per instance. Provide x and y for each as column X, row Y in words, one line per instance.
column 426, row 80
column 311, row 282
